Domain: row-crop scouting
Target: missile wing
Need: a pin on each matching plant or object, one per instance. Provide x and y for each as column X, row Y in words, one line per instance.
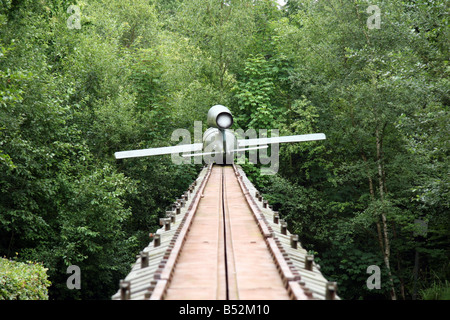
column 158, row 151
column 296, row 138
column 215, row 139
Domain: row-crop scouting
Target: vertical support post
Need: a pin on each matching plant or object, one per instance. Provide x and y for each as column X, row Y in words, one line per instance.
column 167, row 224
column 331, row 291
column 144, row 259
column 171, row 215
column 283, row 227
column 181, row 202
column 276, row 216
column 157, row 240
column 309, row 262
column 294, row 240
column 125, row 291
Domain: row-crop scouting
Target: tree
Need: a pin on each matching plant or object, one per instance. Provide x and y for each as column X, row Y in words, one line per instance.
column 362, row 82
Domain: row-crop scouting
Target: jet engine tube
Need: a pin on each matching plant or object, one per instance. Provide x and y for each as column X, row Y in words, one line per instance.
column 219, row 117
column 219, row 146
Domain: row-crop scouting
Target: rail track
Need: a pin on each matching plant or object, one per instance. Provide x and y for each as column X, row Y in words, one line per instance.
column 222, row 241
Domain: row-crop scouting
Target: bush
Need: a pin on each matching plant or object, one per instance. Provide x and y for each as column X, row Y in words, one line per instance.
column 23, row 281
column 438, row 291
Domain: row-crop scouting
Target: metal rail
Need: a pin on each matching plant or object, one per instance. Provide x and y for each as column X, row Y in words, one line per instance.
column 225, row 247
column 226, row 229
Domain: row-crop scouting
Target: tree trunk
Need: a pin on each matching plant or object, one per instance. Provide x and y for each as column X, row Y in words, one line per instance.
column 402, row 283
column 387, row 249
column 372, row 197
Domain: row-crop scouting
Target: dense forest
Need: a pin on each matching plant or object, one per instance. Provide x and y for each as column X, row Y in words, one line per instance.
column 80, row 80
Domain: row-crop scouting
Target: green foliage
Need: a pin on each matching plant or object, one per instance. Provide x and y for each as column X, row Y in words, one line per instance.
column 137, row 70
column 70, row 99
column 380, row 99
column 437, row 292
column 254, row 93
column 23, row 281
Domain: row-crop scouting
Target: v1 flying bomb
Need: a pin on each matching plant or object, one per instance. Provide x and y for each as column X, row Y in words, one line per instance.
column 219, row 140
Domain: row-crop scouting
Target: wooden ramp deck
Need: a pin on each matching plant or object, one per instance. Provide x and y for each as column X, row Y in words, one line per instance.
column 222, row 241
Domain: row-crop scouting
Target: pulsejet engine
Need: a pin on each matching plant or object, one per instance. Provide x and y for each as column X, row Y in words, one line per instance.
column 219, row 142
